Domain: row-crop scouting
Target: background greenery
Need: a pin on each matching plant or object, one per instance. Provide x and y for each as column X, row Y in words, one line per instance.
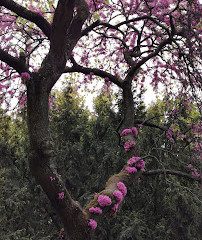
column 88, row 152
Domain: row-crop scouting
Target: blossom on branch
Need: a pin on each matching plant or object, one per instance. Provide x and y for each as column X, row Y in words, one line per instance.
column 104, row 200
column 92, row 223
column 140, row 164
column 121, row 186
column 133, row 160
column 135, row 132
column 125, row 132
column 118, row 195
column 131, row 169
column 95, row 210
column 128, row 145
column 61, row 195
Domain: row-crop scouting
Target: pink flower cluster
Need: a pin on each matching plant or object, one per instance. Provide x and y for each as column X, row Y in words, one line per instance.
column 131, row 169
column 140, row 164
column 104, row 200
column 128, row 145
column 95, row 210
column 118, row 195
column 121, row 186
column 115, row 207
column 135, row 132
column 135, row 163
column 92, row 223
column 128, row 131
column 133, row 160
column 52, row 178
column 61, row 195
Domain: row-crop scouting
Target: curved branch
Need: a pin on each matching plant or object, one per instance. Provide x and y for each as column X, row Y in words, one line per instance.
column 29, row 15
column 171, row 172
column 143, row 18
column 135, row 68
column 150, row 124
column 116, row 27
column 111, row 186
column 13, row 62
column 97, row 72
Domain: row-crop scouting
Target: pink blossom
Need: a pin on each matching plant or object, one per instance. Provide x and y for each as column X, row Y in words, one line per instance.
column 135, row 132
column 125, row 132
column 118, row 195
column 92, row 223
column 128, row 145
column 52, row 178
column 121, row 186
column 104, row 200
column 115, row 207
column 95, row 210
column 131, row 169
column 140, row 164
column 61, row 195
column 133, row 160
column 169, row 134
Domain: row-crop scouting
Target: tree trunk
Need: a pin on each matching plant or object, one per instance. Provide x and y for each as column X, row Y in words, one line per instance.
column 41, row 151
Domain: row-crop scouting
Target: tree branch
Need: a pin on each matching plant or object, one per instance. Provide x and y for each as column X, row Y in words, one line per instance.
column 97, row 72
column 29, row 15
column 171, row 172
column 111, row 186
column 135, row 68
column 149, row 124
column 143, row 18
column 61, row 23
column 13, row 62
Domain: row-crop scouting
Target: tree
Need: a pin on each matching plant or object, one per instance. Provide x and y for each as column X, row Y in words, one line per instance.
column 126, row 43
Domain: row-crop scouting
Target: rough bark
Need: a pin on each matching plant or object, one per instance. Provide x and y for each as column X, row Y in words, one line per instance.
column 41, row 150
column 41, row 146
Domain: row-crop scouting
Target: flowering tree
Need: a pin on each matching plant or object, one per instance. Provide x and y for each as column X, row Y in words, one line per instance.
column 125, row 43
